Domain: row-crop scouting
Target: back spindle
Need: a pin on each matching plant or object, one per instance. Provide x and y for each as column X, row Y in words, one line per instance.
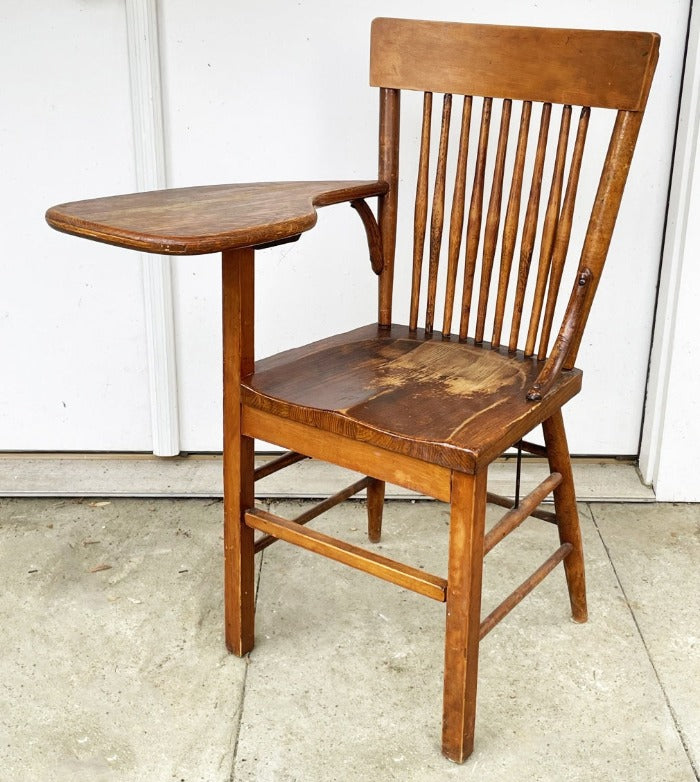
column 530, row 227
column 561, row 242
column 437, row 217
column 493, row 218
column 510, row 227
column 457, row 215
column 421, row 210
column 551, row 218
column 474, row 221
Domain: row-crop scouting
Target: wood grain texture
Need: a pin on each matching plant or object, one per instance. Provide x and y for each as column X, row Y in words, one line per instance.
column 549, row 229
column 316, row 510
column 438, row 214
column 464, row 576
column 286, row 460
column 600, row 227
column 516, row 516
column 389, row 134
column 457, row 215
column 507, row 502
column 374, row 237
column 461, row 405
column 527, row 242
column 355, row 454
column 575, row 312
column 567, row 513
column 524, row 589
column 521, row 63
column 420, row 213
column 493, row 219
column 510, row 227
column 395, row 402
column 197, row 220
column 238, row 455
column 476, row 207
column 563, row 234
column 375, row 509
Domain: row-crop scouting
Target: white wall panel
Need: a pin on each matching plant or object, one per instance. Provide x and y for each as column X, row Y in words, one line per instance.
column 71, row 312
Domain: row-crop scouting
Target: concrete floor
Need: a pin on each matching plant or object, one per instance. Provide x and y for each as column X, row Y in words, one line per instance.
column 112, row 663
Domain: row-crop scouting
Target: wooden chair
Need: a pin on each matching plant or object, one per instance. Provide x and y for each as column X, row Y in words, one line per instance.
column 426, row 407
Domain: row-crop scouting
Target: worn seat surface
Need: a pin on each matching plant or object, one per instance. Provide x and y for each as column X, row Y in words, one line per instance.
column 459, row 405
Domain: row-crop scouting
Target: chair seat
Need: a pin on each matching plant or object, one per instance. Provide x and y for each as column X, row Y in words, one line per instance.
column 451, row 403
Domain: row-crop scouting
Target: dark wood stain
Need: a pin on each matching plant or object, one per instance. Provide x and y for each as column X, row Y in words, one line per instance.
column 458, row 404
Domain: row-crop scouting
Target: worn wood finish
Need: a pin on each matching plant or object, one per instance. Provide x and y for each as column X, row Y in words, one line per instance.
column 475, row 214
column 316, row 510
column 551, row 220
column 516, row 516
column 522, row 63
column 374, row 237
column 438, row 214
column 567, row 514
column 493, row 219
column 505, row 502
column 461, row 406
column 575, row 312
column 375, row 509
column 602, row 222
column 331, row 502
column 524, row 589
column 561, row 243
column 530, row 227
column 420, row 216
column 387, row 569
column 533, row 448
column 464, row 573
column 286, row 460
column 430, row 479
column 196, row 220
column 510, row 227
column 457, row 215
column 389, row 131
column 238, row 461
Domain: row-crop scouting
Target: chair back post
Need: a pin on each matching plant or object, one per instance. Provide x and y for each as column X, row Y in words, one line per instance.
column 389, row 111
column 600, row 227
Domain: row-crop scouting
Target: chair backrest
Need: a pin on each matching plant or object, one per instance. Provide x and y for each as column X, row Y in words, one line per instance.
column 534, row 189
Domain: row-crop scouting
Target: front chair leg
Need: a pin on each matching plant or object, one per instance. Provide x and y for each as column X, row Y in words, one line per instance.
column 567, row 513
column 464, row 569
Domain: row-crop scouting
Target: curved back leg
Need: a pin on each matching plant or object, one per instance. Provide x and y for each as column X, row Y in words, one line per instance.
column 567, row 513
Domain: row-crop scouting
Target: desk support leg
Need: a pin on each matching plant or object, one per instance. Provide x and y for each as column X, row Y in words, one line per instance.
column 239, row 573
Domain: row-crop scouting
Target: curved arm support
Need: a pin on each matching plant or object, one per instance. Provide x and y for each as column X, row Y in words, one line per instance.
column 574, row 311
column 197, row 220
column 374, row 237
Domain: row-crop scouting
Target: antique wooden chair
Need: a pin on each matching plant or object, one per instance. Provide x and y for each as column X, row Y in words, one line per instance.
column 424, row 407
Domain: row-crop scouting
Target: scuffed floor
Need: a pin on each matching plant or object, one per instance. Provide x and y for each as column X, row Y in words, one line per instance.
column 113, row 667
